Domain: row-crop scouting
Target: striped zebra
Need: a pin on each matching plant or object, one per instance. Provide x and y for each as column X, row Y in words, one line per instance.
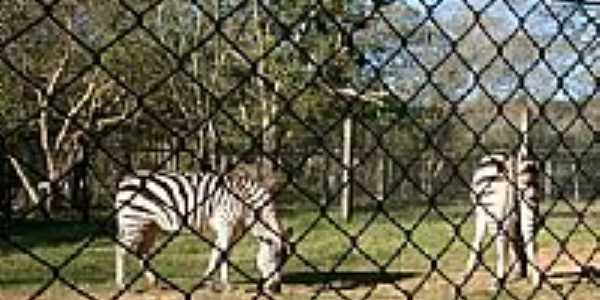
column 505, row 194
column 230, row 205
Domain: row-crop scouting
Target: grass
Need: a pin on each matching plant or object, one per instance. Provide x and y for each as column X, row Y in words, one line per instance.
column 326, row 265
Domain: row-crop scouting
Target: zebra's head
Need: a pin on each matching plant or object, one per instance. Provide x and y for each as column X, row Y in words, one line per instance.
column 273, row 251
column 273, row 248
column 528, row 173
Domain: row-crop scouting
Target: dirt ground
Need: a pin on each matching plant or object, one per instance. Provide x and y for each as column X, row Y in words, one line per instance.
column 569, row 274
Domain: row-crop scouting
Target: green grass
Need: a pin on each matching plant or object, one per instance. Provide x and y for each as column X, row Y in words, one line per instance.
column 84, row 253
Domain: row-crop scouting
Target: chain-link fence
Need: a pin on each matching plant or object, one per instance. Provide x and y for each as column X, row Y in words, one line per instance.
column 371, row 116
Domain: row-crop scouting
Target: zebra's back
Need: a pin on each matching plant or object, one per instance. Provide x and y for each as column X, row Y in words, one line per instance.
column 173, row 201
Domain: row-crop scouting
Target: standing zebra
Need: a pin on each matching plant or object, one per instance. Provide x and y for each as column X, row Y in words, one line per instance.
column 505, row 197
column 229, row 204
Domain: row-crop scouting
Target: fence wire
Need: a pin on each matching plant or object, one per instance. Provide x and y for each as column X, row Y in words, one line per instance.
column 366, row 119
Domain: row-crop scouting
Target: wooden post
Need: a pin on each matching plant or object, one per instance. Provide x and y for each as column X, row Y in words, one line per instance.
column 223, row 164
column 347, row 160
column 423, row 178
column 308, row 167
column 390, row 172
column 429, row 178
column 575, row 181
column 346, row 201
column 527, row 210
column 5, row 198
column 325, row 183
column 381, row 178
column 524, row 130
column 548, row 180
column 85, row 188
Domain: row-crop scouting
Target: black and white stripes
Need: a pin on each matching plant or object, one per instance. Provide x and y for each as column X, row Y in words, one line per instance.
column 504, row 190
column 228, row 204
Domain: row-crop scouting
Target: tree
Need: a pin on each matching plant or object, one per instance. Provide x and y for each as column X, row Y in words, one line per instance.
column 70, row 104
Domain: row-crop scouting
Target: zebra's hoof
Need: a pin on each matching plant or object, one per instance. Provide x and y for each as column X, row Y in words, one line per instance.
column 497, row 285
column 220, row 287
column 275, row 288
column 141, row 290
column 208, row 284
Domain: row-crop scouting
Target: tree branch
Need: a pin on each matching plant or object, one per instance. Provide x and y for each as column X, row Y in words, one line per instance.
column 102, row 123
column 54, row 78
column 74, row 112
column 43, row 102
column 31, row 192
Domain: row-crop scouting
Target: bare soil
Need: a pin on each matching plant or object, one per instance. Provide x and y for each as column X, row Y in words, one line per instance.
column 568, row 271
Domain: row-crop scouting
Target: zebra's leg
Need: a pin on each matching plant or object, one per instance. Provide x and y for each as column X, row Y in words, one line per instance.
column 531, row 257
column 125, row 240
column 480, row 226
column 518, row 261
column 219, row 254
column 501, row 255
column 212, row 263
column 120, row 253
column 223, row 240
column 531, row 252
column 527, row 231
column 148, row 238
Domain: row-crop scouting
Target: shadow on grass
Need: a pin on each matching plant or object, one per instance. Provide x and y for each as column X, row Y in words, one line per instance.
column 49, row 233
column 39, row 281
column 585, row 271
column 346, row 280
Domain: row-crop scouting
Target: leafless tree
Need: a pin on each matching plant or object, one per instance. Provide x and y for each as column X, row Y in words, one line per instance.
column 64, row 126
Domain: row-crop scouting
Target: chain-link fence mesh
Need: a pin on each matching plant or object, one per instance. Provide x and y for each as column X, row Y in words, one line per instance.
column 370, row 115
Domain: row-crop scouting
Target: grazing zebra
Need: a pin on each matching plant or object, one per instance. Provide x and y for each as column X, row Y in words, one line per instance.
column 505, row 197
column 229, row 204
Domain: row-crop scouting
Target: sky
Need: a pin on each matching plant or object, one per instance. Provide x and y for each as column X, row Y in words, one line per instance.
column 549, row 24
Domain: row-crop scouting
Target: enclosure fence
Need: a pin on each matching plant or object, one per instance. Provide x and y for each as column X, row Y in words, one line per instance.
column 366, row 120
